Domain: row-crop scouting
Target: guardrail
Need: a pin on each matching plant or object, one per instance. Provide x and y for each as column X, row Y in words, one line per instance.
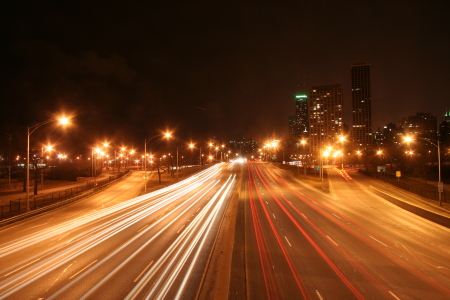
column 16, row 210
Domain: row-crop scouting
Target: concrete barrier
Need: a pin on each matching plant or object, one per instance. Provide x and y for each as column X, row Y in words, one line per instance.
column 426, row 214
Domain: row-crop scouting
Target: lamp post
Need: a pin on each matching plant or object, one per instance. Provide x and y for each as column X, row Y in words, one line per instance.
column 31, row 129
column 342, row 140
column 324, row 154
column 167, row 135
column 303, row 142
column 438, row 146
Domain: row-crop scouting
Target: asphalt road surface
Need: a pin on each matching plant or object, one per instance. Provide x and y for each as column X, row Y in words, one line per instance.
column 300, row 243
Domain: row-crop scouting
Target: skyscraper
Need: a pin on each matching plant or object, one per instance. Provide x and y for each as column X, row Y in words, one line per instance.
column 292, row 127
column 301, row 116
column 326, row 122
column 361, row 103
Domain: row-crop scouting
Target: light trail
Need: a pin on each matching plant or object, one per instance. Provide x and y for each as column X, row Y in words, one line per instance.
column 18, row 244
column 203, row 192
column 366, row 239
column 294, row 272
column 344, row 279
column 176, row 256
column 111, row 221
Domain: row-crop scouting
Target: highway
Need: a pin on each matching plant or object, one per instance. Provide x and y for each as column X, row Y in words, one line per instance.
column 290, row 241
column 154, row 246
column 300, row 243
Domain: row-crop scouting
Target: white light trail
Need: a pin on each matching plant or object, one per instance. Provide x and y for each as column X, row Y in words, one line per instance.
column 139, row 208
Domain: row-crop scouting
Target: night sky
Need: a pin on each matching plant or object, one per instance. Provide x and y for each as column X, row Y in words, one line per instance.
column 224, row 69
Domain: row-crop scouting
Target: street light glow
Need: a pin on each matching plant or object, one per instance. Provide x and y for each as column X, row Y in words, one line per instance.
column 64, row 121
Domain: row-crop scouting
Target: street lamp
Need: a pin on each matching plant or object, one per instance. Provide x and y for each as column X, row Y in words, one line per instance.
column 31, row 129
column 438, row 146
column 167, row 135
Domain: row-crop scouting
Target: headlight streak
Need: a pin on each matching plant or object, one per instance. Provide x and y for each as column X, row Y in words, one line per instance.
column 181, row 243
column 203, row 192
column 211, row 223
column 190, row 236
column 131, row 216
column 231, row 165
column 72, row 251
column 26, row 278
column 31, row 239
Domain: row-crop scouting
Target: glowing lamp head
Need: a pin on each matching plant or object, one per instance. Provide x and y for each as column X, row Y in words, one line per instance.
column 64, row 121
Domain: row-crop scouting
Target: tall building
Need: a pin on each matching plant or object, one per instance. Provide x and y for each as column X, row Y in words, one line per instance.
column 422, row 124
column 326, row 122
column 292, row 127
column 361, row 103
column 301, row 116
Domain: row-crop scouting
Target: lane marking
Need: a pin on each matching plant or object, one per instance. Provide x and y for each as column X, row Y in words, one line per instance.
column 318, row 295
column 393, row 295
column 304, row 216
column 143, row 271
column 337, row 216
column 22, row 267
column 83, row 269
column 287, row 241
column 378, row 241
column 143, row 228
column 274, row 216
column 180, row 229
column 332, row 240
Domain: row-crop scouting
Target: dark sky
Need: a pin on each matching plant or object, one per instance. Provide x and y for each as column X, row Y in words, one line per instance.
column 223, row 68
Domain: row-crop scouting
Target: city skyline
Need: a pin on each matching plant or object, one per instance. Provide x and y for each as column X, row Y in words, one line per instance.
column 213, row 71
